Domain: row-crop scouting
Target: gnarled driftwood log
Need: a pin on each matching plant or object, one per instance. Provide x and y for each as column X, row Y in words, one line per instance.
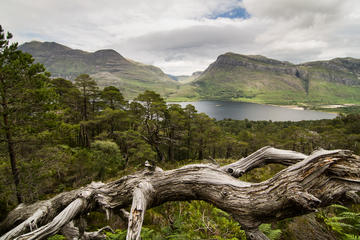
column 308, row 183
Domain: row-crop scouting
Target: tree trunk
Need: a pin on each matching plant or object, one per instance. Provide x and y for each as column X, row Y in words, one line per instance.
column 159, row 153
column 171, row 152
column 11, row 150
column 83, row 136
column 310, row 182
column 227, row 154
column 85, row 117
column 201, row 148
column 12, row 156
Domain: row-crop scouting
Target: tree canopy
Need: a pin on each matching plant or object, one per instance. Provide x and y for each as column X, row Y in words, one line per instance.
column 26, row 99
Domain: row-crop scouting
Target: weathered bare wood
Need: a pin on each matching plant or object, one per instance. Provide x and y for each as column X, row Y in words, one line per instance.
column 48, row 216
column 57, row 223
column 141, row 199
column 323, row 178
column 72, row 232
column 98, row 235
column 262, row 157
column 255, row 234
column 31, row 223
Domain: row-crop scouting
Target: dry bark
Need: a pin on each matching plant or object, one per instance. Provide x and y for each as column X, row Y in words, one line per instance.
column 310, row 182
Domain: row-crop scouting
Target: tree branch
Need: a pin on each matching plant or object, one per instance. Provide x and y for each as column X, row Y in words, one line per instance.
column 261, row 157
column 141, row 199
column 323, row 178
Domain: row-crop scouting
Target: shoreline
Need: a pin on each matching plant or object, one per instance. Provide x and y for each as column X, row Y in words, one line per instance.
column 328, row 108
column 294, row 107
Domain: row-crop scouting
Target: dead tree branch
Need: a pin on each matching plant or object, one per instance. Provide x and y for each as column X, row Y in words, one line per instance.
column 310, row 182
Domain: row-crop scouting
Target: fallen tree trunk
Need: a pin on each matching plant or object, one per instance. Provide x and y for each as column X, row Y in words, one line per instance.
column 310, row 182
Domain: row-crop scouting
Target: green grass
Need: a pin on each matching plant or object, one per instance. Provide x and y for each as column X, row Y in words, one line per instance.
column 184, row 93
column 261, row 80
column 241, row 84
column 131, row 88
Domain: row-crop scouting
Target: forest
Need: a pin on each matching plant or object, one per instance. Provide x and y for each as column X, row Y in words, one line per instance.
column 57, row 135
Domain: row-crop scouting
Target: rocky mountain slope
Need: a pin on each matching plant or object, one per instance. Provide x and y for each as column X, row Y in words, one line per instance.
column 251, row 78
column 107, row 67
column 259, row 79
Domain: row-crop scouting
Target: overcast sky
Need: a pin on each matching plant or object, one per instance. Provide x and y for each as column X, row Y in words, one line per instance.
column 183, row 36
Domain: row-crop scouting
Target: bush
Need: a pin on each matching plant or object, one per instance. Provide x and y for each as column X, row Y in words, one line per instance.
column 106, row 146
column 272, row 234
column 146, row 233
column 345, row 222
column 57, row 237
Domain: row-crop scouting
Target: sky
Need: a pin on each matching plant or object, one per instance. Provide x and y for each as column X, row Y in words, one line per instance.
column 184, row 36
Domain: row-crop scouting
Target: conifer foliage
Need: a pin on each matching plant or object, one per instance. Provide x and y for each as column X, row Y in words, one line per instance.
column 25, row 99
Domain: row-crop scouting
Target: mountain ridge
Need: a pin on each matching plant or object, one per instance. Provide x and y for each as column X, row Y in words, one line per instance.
column 106, row 66
column 232, row 76
column 256, row 78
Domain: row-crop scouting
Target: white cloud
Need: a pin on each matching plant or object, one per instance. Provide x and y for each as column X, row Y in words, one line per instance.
column 179, row 37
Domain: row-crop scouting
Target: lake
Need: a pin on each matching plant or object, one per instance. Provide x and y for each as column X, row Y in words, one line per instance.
column 253, row 111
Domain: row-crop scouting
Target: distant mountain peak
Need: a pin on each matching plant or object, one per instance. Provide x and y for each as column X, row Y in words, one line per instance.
column 259, row 59
column 108, row 52
column 106, row 66
column 262, row 79
column 45, row 46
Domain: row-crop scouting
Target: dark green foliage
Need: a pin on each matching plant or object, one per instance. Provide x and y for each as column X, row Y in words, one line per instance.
column 344, row 221
column 26, row 102
column 69, row 99
column 88, row 92
column 303, row 136
column 197, row 220
column 146, row 233
column 187, row 220
column 112, row 97
column 272, row 234
column 57, row 237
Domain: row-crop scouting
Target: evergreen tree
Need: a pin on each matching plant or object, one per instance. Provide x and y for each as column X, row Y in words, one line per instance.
column 112, row 97
column 88, row 89
column 25, row 98
column 69, row 100
column 174, row 129
column 190, row 113
column 152, row 108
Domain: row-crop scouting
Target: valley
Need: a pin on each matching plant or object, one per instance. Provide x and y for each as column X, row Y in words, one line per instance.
column 232, row 77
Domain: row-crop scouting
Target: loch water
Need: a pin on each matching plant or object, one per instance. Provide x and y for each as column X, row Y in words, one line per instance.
column 253, row 111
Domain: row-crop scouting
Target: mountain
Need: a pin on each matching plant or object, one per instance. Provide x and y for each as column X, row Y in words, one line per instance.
column 256, row 78
column 106, row 66
column 251, row 78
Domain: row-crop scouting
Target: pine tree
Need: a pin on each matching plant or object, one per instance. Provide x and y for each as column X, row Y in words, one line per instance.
column 25, row 96
column 112, row 97
column 88, row 89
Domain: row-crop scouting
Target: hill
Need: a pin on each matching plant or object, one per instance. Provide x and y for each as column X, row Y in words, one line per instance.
column 251, row 78
column 107, row 67
column 256, row 78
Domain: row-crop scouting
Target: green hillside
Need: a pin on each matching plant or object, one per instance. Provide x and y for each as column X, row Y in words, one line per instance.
column 107, row 67
column 263, row 80
column 250, row 78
